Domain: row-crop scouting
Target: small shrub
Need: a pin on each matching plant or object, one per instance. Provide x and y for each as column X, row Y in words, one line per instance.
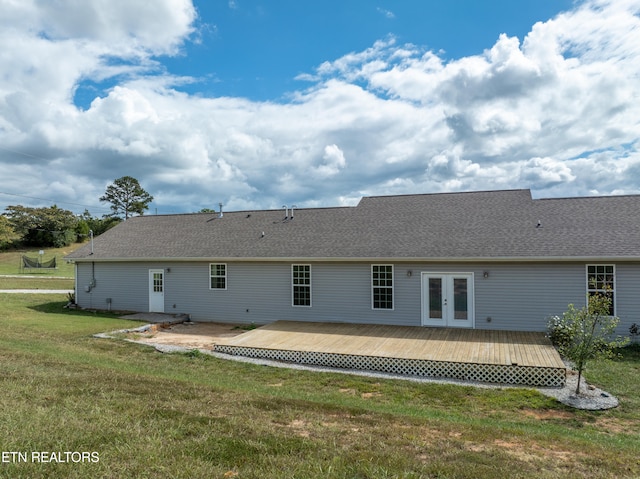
column 634, row 332
column 559, row 332
column 196, row 354
column 246, row 327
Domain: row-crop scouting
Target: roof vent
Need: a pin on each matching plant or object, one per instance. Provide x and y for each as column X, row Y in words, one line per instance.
column 286, row 212
column 539, row 225
column 220, row 215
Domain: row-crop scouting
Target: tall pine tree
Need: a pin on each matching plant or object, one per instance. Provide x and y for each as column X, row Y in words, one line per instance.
column 127, row 197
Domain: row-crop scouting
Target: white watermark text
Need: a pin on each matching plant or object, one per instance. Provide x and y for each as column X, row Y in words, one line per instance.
column 63, row 457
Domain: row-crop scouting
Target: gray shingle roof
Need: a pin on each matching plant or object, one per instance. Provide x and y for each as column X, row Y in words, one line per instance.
column 446, row 226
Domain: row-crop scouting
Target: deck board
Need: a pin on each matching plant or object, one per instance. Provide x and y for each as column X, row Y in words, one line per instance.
column 456, row 345
column 484, row 348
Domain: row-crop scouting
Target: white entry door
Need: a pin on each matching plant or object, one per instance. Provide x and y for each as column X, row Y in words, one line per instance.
column 447, row 300
column 156, row 291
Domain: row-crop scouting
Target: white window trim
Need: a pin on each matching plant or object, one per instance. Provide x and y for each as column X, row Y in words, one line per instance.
column 226, row 278
column 615, row 280
column 310, row 286
column 393, row 288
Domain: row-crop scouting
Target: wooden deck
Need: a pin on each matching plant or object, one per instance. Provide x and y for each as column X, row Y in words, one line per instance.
column 505, row 357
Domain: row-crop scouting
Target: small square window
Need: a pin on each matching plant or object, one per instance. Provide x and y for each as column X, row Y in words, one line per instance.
column 218, row 276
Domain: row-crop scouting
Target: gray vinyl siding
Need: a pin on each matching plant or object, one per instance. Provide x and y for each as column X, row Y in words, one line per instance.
column 261, row 293
column 520, row 297
column 515, row 296
column 255, row 292
column 627, row 295
column 127, row 284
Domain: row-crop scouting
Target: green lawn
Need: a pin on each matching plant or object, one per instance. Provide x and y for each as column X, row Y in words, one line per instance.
column 146, row 414
column 49, row 282
column 10, row 261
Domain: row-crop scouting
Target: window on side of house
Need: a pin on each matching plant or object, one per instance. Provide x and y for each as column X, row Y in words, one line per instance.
column 382, row 286
column 218, row 276
column 301, row 284
column 601, row 279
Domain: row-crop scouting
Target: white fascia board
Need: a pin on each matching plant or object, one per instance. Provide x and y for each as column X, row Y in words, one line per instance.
column 488, row 259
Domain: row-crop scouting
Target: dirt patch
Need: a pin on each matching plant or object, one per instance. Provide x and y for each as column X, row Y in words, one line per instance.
column 615, row 426
column 300, row 428
column 528, row 452
column 543, row 414
column 188, row 335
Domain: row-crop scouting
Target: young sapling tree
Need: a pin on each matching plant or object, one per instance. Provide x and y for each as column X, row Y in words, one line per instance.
column 586, row 334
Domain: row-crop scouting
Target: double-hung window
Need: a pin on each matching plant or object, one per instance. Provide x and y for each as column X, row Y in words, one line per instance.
column 218, row 276
column 301, row 284
column 601, row 279
column 382, row 286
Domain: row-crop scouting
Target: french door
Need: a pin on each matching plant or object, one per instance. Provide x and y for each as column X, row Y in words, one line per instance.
column 447, row 300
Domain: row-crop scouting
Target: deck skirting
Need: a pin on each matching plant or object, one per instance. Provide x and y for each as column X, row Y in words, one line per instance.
column 538, row 376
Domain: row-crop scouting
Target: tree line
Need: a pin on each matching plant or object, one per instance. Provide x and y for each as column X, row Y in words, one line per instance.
column 56, row 227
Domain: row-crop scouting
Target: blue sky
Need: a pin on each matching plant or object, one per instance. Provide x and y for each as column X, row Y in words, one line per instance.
column 256, row 49
column 256, row 104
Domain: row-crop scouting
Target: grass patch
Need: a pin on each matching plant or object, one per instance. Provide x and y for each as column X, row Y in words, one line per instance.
column 49, row 282
column 150, row 414
column 622, row 373
column 10, row 261
column 246, row 327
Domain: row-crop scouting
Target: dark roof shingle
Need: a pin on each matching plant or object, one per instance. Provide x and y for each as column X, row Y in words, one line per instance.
column 456, row 226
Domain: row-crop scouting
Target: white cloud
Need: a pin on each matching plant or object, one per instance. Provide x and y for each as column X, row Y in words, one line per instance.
column 387, row 13
column 557, row 111
column 356, row 64
column 545, row 172
column 131, row 25
column 333, row 162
